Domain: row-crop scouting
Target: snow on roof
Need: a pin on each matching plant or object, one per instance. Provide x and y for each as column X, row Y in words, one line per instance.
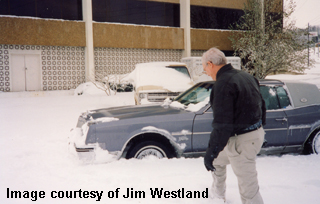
column 157, row 74
column 160, row 64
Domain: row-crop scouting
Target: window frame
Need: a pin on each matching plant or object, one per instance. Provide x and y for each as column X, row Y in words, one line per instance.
column 44, row 9
column 275, row 90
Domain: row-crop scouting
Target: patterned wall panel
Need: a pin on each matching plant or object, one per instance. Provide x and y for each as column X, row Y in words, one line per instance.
column 197, row 53
column 122, row 60
column 62, row 67
column 4, row 68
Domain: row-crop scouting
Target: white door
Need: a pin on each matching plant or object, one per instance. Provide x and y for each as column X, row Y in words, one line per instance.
column 25, row 69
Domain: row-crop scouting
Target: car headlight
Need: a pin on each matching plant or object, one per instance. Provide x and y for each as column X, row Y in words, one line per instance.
column 142, row 95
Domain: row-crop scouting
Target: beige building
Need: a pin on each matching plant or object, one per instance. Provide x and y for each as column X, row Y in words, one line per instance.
column 46, row 46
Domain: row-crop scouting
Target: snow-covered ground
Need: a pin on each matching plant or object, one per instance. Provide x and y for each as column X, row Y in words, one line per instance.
column 35, row 160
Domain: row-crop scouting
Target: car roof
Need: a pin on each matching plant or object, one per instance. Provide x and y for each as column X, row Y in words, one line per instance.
column 261, row 81
column 303, row 93
column 270, row 82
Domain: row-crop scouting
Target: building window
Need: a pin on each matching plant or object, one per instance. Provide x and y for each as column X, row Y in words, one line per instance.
column 214, row 18
column 136, row 12
column 57, row 9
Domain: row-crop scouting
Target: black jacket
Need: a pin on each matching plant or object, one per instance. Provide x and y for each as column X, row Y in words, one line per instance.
column 237, row 104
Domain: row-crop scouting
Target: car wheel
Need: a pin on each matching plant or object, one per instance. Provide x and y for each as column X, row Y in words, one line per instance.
column 316, row 143
column 149, row 148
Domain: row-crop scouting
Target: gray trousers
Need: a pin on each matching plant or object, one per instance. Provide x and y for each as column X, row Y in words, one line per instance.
column 240, row 152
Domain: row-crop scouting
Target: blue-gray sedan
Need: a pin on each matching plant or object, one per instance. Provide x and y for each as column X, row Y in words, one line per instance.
column 182, row 127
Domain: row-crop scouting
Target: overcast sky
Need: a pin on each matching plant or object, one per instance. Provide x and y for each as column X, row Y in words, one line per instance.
column 306, row 11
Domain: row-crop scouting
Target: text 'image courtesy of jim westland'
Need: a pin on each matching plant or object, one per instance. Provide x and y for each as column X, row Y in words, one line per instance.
column 110, row 194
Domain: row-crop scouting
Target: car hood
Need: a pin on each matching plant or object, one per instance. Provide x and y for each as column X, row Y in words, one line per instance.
column 127, row 112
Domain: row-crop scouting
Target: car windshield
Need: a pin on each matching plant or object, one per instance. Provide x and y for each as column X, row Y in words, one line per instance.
column 181, row 69
column 195, row 94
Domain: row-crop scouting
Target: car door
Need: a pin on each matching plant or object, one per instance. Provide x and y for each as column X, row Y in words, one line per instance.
column 202, row 129
column 276, row 127
column 276, row 130
column 303, row 114
column 300, row 123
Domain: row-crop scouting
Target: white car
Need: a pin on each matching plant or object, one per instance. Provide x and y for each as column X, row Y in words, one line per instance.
column 156, row 81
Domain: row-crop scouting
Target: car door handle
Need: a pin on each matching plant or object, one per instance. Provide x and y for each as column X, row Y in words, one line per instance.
column 282, row 119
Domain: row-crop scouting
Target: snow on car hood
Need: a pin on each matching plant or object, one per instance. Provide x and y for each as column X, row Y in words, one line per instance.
column 157, row 75
column 126, row 112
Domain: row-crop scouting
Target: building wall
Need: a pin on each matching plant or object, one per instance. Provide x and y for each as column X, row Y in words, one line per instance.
column 234, row 4
column 202, row 39
column 32, row 31
column 122, row 60
column 117, row 47
column 62, row 67
column 62, row 46
column 135, row 36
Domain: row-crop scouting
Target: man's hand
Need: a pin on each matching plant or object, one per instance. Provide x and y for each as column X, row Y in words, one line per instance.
column 208, row 159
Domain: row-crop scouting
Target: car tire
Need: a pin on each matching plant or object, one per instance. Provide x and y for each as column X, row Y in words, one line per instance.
column 149, row 148
column 316, row 143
